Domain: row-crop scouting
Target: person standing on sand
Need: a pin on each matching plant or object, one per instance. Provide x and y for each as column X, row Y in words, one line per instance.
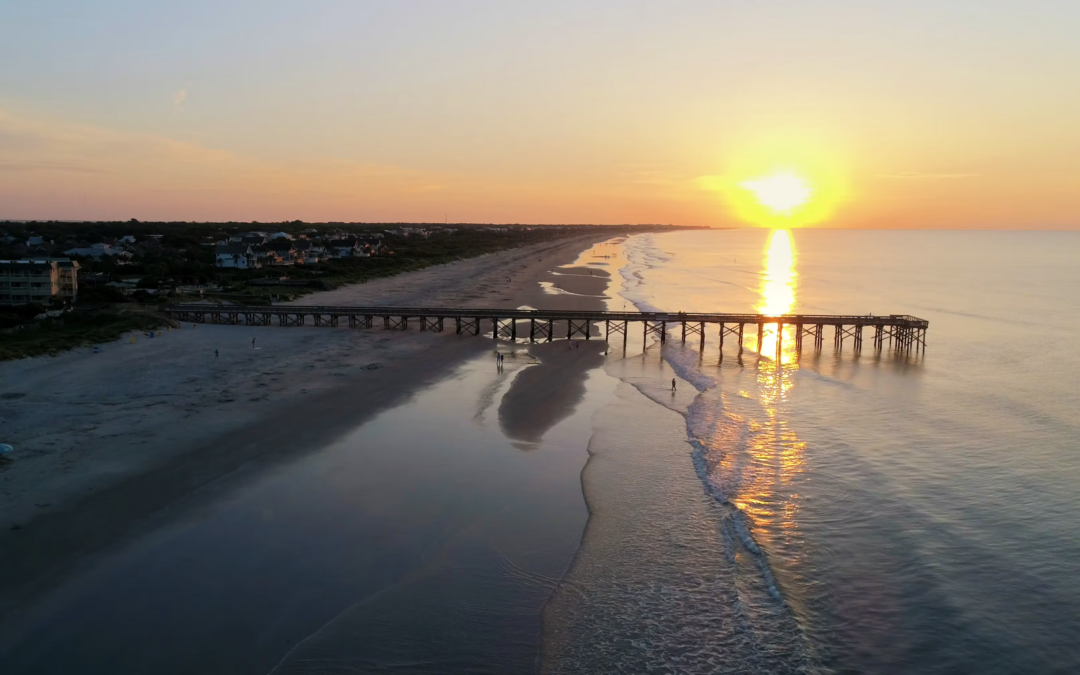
column 253, row 343
column 673, row 385
column 215, row 353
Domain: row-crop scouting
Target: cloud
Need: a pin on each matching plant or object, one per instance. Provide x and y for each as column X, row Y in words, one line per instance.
column 47, row 166
column 178, row 100
column 930, row 176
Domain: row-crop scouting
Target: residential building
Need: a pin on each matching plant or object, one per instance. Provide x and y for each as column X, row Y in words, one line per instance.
column 282, row 250
column 308, row 252
column 26, row 281
column 349, row 247
column 263, row 255
column 97, row 251
column 239, row 256
column 69, row 276
column 248, row 237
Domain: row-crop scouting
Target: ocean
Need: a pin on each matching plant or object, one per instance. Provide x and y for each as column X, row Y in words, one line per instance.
column 822, row 512
column 836, row 512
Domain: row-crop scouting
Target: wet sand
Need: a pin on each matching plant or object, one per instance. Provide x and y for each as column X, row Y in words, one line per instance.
column 543, row 395
column 112, row 445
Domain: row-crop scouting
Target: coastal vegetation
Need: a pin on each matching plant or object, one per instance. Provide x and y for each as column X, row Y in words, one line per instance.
column 76, row 329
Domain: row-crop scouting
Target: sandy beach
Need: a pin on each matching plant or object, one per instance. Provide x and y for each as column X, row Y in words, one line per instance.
column 114, row 443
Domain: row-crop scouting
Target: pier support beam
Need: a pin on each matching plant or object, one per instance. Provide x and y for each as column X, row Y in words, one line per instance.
column 657, row 328
column 433, row 324
column 577, row 328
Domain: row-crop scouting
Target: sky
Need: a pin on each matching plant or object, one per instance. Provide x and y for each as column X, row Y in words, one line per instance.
column 913, row 114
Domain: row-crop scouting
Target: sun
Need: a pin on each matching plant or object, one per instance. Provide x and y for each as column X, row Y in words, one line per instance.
column 781, row 192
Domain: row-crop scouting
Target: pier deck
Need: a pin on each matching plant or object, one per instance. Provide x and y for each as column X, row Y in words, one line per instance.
column 901, row 333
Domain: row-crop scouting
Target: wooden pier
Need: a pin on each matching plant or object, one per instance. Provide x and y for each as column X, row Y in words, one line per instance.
column 898, row 333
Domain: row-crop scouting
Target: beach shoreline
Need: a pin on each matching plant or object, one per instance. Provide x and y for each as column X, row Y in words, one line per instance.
column 131, row 463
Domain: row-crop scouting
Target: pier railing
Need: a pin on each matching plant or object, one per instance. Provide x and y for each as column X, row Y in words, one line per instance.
column 902, row 333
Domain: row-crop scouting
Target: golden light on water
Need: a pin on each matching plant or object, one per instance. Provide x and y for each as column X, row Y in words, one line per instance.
column 778, row 285
column 777, row 454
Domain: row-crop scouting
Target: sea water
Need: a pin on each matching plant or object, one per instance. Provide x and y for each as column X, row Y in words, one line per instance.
column 831, row 511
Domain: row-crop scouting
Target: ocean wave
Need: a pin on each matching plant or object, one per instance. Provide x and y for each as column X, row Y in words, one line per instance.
column 722, row 463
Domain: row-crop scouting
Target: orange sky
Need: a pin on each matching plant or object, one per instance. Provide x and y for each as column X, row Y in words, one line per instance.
column 904, row 115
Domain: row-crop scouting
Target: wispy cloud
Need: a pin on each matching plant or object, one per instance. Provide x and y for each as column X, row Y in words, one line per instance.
column 47, row 166
column 928, row 175
column 178, row 100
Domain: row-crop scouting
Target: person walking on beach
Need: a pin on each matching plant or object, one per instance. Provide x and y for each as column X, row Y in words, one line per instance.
column 215, row 353
column 253, row 343
column 673, row 385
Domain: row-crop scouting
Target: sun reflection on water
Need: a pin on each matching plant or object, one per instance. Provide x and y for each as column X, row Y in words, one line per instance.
column 776, row 451
column 778, row 284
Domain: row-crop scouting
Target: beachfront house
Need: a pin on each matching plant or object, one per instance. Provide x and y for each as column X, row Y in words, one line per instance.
column 263, row 255
column 307, row 252
column 349, row 247
column 237, row 256
column 281, row 251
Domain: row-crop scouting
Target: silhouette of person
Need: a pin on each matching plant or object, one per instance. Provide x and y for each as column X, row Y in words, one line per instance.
column 673, row 385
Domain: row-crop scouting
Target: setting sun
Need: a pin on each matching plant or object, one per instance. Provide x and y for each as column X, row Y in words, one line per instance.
column 780, row 192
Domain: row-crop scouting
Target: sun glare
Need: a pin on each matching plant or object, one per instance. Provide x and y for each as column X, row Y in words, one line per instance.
column 782, row 193
column 778, row 282
column 778, row 295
